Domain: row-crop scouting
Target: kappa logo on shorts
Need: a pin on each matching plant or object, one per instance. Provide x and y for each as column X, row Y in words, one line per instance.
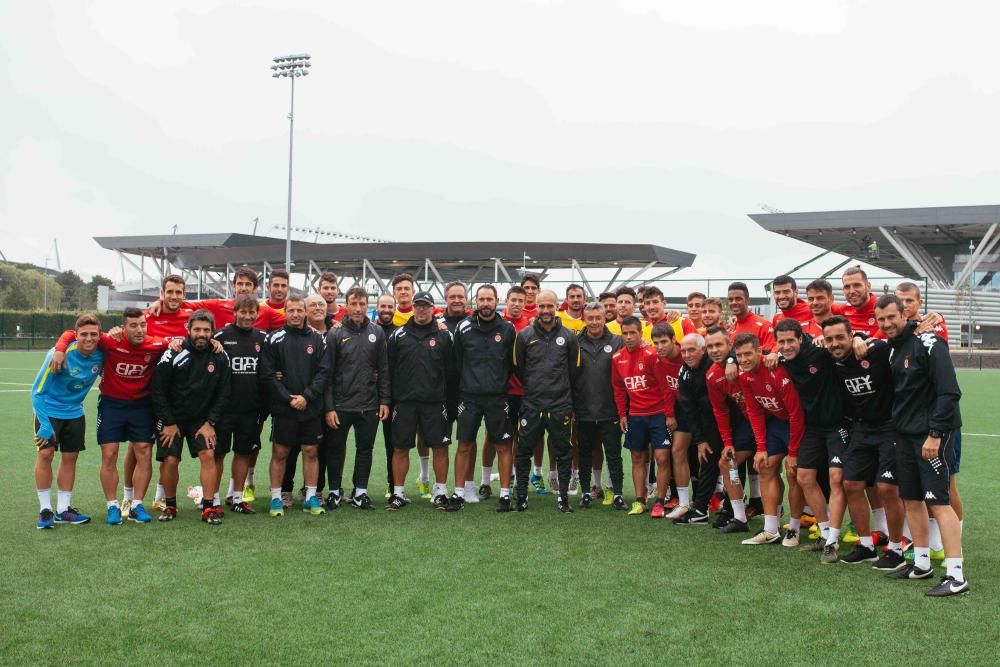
column 371, row 338
column 929, row 496
column 560, row 341
column 836, row 459
column 887, row 475
column 505, row 436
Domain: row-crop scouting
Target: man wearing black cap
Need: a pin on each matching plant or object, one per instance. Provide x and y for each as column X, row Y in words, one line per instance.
column 420, row 358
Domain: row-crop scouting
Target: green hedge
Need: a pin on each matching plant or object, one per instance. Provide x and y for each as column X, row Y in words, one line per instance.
column 26, row 330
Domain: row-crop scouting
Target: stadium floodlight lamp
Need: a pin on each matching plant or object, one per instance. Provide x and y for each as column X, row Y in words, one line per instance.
column 291, row 67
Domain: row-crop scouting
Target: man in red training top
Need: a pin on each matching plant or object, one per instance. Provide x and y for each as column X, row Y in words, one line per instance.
column 245, row 281
column 277, row 294
column 670, row 368
column 778, row 423
column 532, row 285
column 641, row 395
column 790, row 306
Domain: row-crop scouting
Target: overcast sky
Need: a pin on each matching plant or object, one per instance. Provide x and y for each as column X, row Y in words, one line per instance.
column 632, row 122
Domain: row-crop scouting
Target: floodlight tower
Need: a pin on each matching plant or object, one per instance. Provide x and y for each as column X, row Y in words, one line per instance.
column 293, row 67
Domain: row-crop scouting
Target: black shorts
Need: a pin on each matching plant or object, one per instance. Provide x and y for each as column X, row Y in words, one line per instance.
column 920, row 479
column 289, row 432
column 743, row 438
column 493, row 410
column 124, row 421
column 239, row 434
column 514, row 409
column 871, row 457
column 451, row 410
column 187, row 432
column 682, row 421
column 822, row 448
column 430, row 419
column 955, row 460
column 67, row 434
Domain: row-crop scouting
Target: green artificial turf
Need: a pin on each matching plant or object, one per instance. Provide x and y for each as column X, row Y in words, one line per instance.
column 425, row 587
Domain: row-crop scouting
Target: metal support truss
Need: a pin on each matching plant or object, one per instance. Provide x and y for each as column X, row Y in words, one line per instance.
column 918, row 259
column 985, row 248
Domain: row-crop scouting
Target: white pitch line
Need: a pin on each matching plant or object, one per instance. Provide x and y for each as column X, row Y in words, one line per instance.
column 983, row 435
column 18, row 384
column 11, row 391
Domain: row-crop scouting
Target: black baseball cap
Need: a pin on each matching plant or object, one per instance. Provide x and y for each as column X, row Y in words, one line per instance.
column 423, row 297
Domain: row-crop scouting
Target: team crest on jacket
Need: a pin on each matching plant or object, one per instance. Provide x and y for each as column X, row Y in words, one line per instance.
column 256, row 347
column 607, row 348
column 148, row 357
column 210, row 368
column 498, row 338
column 309, row 349
column 768, row 387
column 813, row 370
column 865, row 363
column 432, row 342
column 906, row 362
column 560, row 341
column 871, row 321
column 371, row 338
column 640, row 365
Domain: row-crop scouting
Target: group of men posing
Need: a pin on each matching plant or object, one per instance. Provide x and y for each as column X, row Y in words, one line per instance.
column 858, row 403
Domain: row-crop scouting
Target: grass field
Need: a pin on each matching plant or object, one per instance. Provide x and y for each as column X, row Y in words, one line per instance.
column 427, row 587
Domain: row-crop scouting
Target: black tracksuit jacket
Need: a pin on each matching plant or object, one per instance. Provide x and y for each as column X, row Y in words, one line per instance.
column 926, row 390
column 191, row 385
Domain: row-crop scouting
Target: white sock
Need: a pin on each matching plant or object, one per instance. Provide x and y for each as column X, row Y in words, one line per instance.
column 538, row 470
column 794, row 524
column 754, row 484
column 807, row 510
column 249, row 481
column 487, row 474
column 310, row 492
column 897, row 547
column 922, row 557
column 824, row 528
column 683, row 496
column 961, row 527
column 739, row 511
column 112, row 503
column 771, row 523
column 129, row 493
column 275, row 493
column 216, row 500
column 553, row 477
column 906, row 530
column 359, row 492
column 833, row 536
column 237, row 496
column 460, row 491
column 866, row 541
column 595, row 474
column 954, row 566
column 934, row 535
column 44, row 499
column 63, row 499
column 470, row 487
column 440, row 489
column 574, row 473
column 231, row 491
column 425, row 466
column 160, row 493
column 881, row 524
column 505, row 492
column 399, row 491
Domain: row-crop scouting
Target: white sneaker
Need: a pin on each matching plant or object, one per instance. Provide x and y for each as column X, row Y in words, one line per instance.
column 677, row 512
column 763, row 537
column 126, row 506
column 791, row 538
column 574, row 485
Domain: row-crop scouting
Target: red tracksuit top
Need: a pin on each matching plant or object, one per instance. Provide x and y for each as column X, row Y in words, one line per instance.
column 128, row 369
column 222, row 310
column 772, row 393
column 799, row 312
column 669, row 370
column 759, row 327
column 168, row 325
column 636, row 378
column 719, row 389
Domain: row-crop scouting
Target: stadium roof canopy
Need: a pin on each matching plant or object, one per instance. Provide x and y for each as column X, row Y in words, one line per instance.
column 211, row 258
column 932, row 243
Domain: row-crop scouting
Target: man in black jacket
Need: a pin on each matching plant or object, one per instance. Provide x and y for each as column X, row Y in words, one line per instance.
column 190, row 388
column 483, row 344
column 547, row 361
column 295, row 370
column 694, row 401
column 244, row 413
column 420, row 358
column 357, row 397
column 824, row 442
column 925, row 412
column 594, row 404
